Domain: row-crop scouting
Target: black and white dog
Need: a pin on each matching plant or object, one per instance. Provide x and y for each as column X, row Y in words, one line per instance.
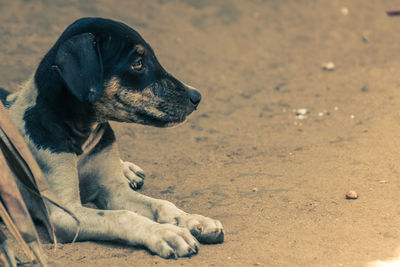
column 101, row 70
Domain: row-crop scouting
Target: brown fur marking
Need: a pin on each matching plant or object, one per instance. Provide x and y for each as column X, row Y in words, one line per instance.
column 107, row 105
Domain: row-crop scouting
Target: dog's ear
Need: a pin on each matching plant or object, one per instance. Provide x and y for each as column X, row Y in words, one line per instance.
column 79, row 64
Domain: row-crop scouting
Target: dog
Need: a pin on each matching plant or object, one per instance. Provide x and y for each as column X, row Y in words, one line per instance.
column 101, row 70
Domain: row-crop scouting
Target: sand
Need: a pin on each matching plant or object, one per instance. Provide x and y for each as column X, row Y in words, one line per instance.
column 275, row 179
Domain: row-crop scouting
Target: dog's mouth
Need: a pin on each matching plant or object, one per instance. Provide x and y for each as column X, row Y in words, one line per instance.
column 124, row 111
column 147, row 119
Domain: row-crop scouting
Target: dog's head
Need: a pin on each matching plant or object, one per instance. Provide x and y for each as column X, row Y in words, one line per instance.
column 108, row 66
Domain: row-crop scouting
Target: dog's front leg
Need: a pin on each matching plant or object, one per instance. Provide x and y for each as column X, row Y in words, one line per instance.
column 108, row 225
column 127, row 227
column 115, row 193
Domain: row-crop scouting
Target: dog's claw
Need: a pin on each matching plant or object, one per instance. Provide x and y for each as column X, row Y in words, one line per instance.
column 173, row 255
column 133, row 185
column 193, row 251
column 141, row 174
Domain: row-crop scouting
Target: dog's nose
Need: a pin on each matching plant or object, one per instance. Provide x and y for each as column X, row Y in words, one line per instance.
column 195, row 97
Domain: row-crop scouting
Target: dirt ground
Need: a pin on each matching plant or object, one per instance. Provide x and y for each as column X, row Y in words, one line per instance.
column 277, row 181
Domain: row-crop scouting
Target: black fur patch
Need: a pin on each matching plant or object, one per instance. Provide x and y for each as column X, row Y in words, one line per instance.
column 48, row 124
column 3, row 95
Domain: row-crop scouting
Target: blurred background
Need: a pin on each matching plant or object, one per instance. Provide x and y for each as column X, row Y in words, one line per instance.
column 300, row 104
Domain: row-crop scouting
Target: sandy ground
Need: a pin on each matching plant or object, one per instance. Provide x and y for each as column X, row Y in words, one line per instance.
column 275, row 181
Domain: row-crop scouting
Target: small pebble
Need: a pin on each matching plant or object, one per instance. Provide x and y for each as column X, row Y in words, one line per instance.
column 255, row 189
column 344, row 11
column 351, row 194
column 301, row 111
column 301, row 117
column 352, row 116
column 329, row 66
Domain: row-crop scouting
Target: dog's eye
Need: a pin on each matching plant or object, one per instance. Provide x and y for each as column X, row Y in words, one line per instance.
column 138, row 65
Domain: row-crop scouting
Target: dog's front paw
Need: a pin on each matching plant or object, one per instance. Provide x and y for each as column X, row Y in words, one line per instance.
column 134, row 174
column 205, row 229
column 170, row 241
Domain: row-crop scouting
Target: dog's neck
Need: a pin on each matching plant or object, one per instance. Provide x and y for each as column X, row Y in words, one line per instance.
column 56, row 113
